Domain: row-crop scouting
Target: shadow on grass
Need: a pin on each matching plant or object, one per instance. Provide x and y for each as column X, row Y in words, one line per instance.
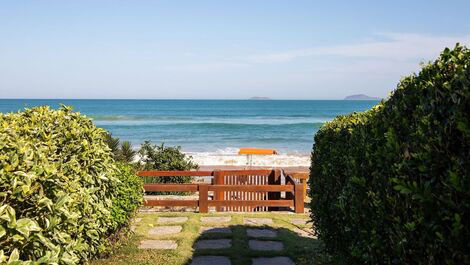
column 300, row 249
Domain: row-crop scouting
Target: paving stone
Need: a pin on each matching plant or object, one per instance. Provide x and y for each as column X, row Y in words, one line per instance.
column 305, row 233
column 210, row 260
column 137, row 220
column 299, row 221
column 172, row 220
column 257, row 221
column 261, row 233
column 165, row 230
column 273, row 261
column 133, row 227
column 158, row 244
column 221, row 219
column 213, row 244
column 223, row 230
column 265, row 245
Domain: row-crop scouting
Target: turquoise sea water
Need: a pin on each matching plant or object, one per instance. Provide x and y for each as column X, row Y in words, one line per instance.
column 208, row 125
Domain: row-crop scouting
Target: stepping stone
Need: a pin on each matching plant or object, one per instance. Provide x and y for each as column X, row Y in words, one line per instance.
column 172, row 220
column 216, row 219
column 210, row 260
column 137, row 220
column 299, row 221
column 223, row 230
column 257, row 221
column 261, row 233
column 165, row 230
column 133, row 227
column 158, row 244
column 305, row 233
column 213, row 244
column 266, row 245
column 273, row 261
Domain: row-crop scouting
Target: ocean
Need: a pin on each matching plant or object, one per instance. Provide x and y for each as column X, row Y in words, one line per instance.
column 211, row 130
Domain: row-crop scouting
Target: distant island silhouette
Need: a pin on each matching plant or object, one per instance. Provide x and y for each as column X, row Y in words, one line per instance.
column 260, row 98
column 361, row 97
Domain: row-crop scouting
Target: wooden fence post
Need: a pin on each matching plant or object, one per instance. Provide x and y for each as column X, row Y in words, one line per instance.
column 203, row 198
column 218, row 195
column 299, row 198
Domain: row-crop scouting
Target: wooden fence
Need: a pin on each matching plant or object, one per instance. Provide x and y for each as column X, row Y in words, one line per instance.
column 232, row 190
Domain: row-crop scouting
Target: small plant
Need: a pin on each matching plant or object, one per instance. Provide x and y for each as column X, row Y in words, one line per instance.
column 122, row 152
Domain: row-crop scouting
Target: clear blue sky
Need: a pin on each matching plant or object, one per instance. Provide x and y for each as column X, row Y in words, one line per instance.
column 220, row 49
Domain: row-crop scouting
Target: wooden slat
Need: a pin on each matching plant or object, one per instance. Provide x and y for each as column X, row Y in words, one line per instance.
column 170, row 187
column 155, row 173
column 252, row 203
column 193, row 203
column 299, row 198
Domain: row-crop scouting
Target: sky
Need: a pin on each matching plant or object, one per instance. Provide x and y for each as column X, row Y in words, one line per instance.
column 220, row 49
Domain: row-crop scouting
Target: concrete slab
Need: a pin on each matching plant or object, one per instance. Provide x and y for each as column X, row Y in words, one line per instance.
column 257, row 221
column 158, row 244
column 213, row 244
column 221, row 219
column 210, row 260
column 265, row 245
column 298, row 221
column 172, row 220
column 165, row 230
column 261, row 233
column 273, row 261
column 222, row 230
column 305, row 233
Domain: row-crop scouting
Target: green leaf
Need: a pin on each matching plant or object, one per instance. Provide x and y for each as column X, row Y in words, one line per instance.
column 25, row 226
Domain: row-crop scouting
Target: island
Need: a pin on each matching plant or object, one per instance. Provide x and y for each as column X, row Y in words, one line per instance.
column 260, row 98
column 361, row 97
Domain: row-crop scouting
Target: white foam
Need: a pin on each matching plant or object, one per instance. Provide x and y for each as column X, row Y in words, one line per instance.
column 230, row 157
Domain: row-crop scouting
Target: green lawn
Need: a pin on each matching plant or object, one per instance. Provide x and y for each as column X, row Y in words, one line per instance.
column 300, row 249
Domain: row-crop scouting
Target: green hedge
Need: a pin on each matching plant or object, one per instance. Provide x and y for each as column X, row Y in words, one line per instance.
column 392, row 185
column 57, row 185
column 127, row 196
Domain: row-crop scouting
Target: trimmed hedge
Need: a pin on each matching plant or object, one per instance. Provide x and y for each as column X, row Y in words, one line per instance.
column 128, row 195
column 392, row 185
column 57, row 187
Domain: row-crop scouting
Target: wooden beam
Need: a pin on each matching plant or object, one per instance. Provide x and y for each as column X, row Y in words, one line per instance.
column 251, row 203
column 254, row 188
column 170, row 187
column 299, row 198
column 193, row 203
column 203, row 198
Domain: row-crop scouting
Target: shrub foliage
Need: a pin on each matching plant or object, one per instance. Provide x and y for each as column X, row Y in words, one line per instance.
column 392, row 185
column 165, row 158
column 57, row 183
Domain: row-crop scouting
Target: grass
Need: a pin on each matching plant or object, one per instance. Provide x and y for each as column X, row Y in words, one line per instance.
column 299, row 249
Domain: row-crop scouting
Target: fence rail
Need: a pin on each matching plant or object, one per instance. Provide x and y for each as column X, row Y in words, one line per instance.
column 233, row 190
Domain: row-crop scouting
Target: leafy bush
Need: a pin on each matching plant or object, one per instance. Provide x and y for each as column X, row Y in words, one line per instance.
column 167, row 159
column 128, row 195
column 57, row 179
column 392, row 185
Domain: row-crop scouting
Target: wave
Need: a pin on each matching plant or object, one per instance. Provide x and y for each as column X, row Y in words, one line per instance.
column 212, row 125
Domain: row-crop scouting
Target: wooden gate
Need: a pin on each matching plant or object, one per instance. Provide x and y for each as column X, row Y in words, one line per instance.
column 247, row 177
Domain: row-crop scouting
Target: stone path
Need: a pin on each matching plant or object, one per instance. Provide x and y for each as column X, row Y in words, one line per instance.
column 210, row 260
column 261, row 233
column 165, row 230
column 253, row 243
column 213, row 244
column 265, row 245
column 222, row 230
column 172, row 220
column 273, row 261
column 299, row 221
column 158, row 244
column 223, row 219
column 257, row 221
